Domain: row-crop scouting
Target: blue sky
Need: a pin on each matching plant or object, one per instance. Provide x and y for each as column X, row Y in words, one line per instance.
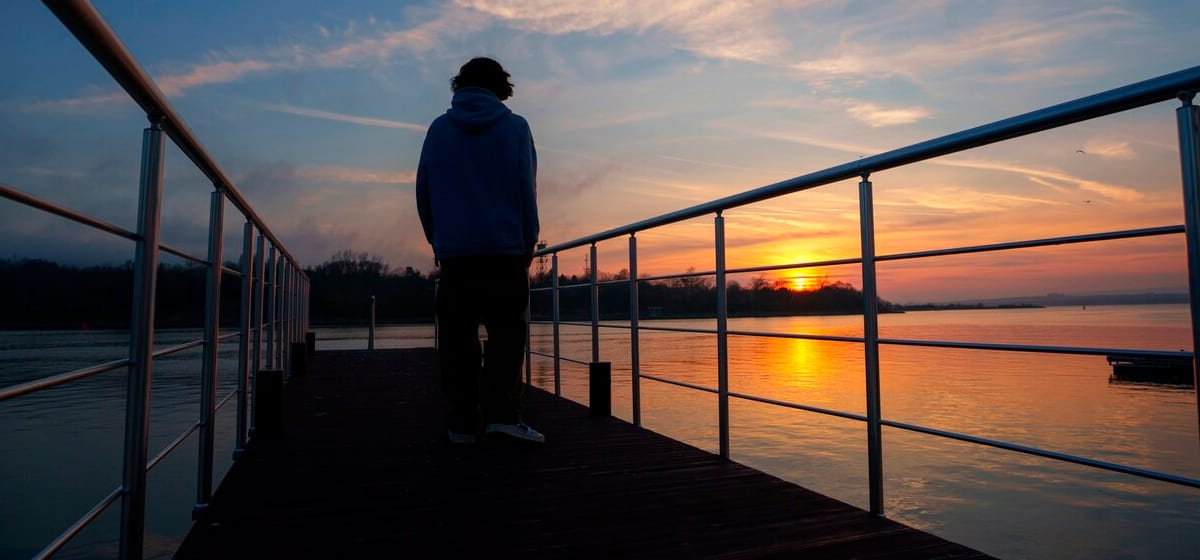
column 317, row 111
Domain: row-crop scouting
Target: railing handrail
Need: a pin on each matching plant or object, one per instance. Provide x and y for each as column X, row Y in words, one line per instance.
column 1182, row 84
column 90, row 29
column 1154, row 90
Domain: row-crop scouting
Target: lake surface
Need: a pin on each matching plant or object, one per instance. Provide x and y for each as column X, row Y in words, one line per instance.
column 61, row 447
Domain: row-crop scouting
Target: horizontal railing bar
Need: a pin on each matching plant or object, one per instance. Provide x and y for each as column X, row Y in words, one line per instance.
column 1078, row 350
column 229, row 335
column 643, row 327
column 221, row 404
column 74, row 530
column 182, row 254
column 678, row 383
column 785, row 404
column 56, row 380
column 1127, row 97
column 90, row 29
column 647, row 278
column 175, row 349
column 575, row 324
column 800, row 336
column 563, row 358
column 231, row 271
column 813, row 264
column 1106, row 236
column 171, row 446
column 30, row 200
column 1115, row 467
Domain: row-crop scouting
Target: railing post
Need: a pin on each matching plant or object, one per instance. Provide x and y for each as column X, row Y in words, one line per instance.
column 634, row 340
column 1188, row 121
column 371, row 327
column 277, row 317
column 208, row 367
column 595, row 290
column 722, row 341
column 871, row 346
column 269, row 313
column 141, row 346
column 286, row 315
column 554, row 319
column 246, row 326
column 256, row 319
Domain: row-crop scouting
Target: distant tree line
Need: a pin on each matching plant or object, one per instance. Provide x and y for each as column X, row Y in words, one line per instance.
column 42, row 294
column 692, row 296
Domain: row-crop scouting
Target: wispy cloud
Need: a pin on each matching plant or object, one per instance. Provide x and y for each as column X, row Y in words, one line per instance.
column 214, row 73
column 342, row 117
column 877, row 116
column 600, row 121
column 1109, row 149
column 710, row 28
column 344, row 49
column 357, row 175
column 1050, row 178
column 1008, row 37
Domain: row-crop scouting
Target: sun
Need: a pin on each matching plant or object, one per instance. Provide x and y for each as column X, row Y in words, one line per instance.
column 806, row 282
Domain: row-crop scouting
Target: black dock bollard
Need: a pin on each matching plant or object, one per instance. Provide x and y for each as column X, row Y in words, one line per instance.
column 299, row 360
column 268, row 402
column 310, row 342
column 600, row 388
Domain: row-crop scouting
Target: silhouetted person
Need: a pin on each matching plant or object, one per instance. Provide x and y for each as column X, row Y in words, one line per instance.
column 477, row 199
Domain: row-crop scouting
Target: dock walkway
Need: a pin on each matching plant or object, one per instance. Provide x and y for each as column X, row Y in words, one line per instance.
column 363, row 470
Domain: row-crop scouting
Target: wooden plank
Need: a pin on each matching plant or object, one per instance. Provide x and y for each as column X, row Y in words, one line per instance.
column 363, row 469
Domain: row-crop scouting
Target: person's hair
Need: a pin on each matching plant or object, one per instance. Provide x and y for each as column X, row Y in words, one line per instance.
column 483, row 73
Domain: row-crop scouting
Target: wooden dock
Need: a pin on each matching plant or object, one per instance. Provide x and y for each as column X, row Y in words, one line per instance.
column 363, row 470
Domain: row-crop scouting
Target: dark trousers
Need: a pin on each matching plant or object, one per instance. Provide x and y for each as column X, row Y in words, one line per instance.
column 482, row 385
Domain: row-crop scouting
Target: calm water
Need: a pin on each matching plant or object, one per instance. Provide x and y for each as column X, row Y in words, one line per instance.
column 60, row 448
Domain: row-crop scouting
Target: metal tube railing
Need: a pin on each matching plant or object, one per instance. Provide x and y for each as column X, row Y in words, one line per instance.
column 82, row 20
column 137, row 399
column 871, row 346
column 1188, row 123
column 722, row 339
column 554, row 315
column 1113, row 101
column 595, row 292
column 245, row 326
column 208, row 367
column 634, row 335
column 1101, row 104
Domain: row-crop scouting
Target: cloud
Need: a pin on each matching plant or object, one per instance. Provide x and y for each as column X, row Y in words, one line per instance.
column 1011, row 43
column 357, row 175
column 342, row 117
column 349, row 50
column 1049, row 178
column 709, row 28
column 1109, row 149
column 213, row 73
column 876, row 116
column 79, row 104
column 600, row 121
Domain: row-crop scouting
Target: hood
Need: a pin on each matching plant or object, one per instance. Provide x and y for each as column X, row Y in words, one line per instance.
column 474, row 110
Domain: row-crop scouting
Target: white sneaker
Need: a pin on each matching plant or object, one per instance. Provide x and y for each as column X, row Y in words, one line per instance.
column 518, row 431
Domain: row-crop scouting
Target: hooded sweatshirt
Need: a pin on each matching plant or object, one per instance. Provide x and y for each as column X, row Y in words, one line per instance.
column 477, row 179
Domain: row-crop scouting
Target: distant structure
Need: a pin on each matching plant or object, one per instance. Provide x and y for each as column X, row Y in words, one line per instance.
column 541, row 258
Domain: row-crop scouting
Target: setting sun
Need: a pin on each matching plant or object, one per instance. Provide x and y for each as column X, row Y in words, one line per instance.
column 807, row 282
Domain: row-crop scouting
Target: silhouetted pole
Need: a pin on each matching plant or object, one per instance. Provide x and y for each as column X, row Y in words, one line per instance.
column 371, row 327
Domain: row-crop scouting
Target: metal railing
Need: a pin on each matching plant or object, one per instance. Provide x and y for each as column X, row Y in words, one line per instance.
column 273, row 296
column 1182, row 85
